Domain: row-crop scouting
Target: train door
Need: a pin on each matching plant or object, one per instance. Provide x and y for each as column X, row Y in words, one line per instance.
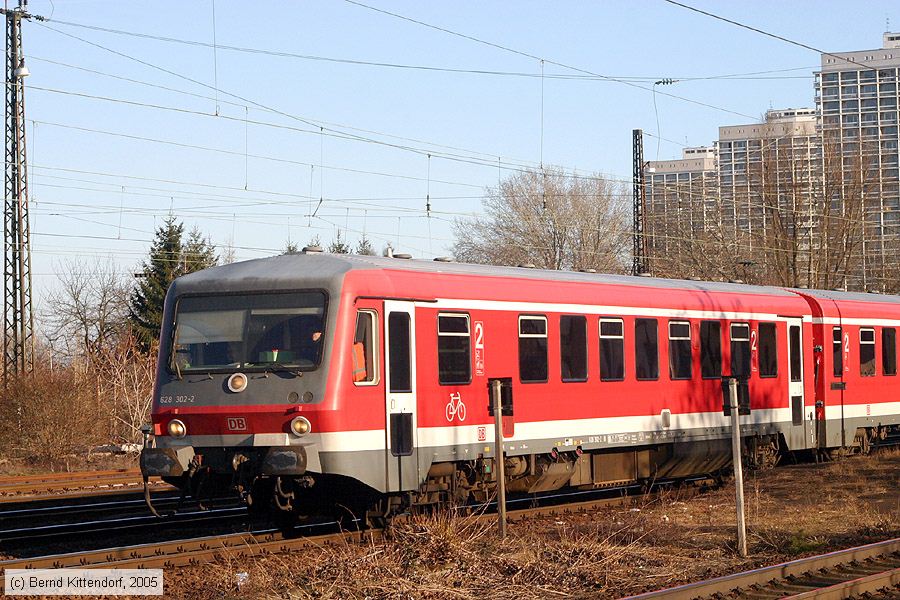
column 401, row 471
column 802, row 429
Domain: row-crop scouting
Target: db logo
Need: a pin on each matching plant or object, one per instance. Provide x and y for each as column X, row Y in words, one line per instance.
column 236, row 424
column 482, row 434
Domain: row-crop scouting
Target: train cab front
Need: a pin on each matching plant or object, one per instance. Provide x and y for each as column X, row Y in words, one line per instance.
column 239, row 381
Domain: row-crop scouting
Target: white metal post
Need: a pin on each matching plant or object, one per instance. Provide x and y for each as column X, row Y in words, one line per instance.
column 499, row 456
column 738, row 469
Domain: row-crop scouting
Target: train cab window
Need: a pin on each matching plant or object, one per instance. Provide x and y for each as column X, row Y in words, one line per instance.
column 399, row 351
column 889, row 351
column 533, row 349
column 867, row 352
column 646, row 349
column 365, row 371
column 837, row 351
column 768, row 350
column 711, row 349
column 612, row 350
column 740, row 350
column 454, row 349
column 573, row 348
column 249, row 332
column 680, row 350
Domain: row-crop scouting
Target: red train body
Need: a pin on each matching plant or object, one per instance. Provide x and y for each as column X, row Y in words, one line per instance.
column 614, row 379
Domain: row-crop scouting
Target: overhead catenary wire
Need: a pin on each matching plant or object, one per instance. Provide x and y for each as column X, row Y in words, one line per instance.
column 763, row 32
column 512, row 167
column 535, row 57
column 435, row 68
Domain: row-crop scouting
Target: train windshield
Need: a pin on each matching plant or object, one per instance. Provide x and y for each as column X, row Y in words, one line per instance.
column 253, row 331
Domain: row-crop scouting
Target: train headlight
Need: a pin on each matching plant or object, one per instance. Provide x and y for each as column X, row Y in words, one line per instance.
column 237, row 382
column 300, row 426
column 176, row 428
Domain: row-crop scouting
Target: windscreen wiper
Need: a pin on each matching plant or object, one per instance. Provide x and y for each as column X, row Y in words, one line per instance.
column 280, row 367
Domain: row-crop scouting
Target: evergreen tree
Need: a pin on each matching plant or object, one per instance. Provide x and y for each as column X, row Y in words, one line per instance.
column 364, row 247
column 197, row 253
column 170, row 256
column 339, row 245
column 291, row 248
column 160, row 269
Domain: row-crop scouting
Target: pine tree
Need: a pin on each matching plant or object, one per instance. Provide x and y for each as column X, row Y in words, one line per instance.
column 160, row 269
column 197, row 253
column 291, row 248
column 364, row 247
column 339, row 245
column 170, row 256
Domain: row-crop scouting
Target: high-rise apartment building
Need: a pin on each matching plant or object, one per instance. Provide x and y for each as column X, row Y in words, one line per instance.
column 681, row 197
column 815, row 192
column 856, row 95
column 767, row 174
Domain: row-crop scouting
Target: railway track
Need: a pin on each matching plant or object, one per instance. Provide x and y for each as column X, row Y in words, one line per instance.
column 17, row 488
column 837, row 575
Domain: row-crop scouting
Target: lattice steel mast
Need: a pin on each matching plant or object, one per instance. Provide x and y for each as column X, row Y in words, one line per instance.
column 18, row 321
column 638, row 233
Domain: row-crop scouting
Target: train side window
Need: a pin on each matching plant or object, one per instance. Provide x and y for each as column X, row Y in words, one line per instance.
column 646, row 349
column 612, row 350
column 768, row 350
column 364, row 355
column 573, row 347
column 867, row 352
column 740, row 350
column 680, row 350
column 837, row 351
column 398, row 334
column 711, row 349
column 533, row 349
column 889, row 351
column 454, row 349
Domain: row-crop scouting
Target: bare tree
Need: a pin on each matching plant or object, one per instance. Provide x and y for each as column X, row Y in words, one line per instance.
column 551, row 219
column 87, row 312
column 125, row 383
column 799, row 222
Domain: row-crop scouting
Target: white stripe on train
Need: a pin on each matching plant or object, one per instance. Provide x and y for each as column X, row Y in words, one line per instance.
column 594, row 309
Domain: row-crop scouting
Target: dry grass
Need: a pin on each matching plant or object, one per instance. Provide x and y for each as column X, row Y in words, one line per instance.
column 608, row 553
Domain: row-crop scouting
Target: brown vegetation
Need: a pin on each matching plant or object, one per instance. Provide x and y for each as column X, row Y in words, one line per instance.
column 91, row 385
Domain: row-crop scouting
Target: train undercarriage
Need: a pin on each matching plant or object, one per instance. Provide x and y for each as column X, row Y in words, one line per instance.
column 291, row 499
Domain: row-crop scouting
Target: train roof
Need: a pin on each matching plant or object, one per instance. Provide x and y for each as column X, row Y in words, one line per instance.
column 841, row 296
column 294, row 270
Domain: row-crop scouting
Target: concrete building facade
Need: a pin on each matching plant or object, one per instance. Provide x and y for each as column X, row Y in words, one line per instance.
column 857, row 99
column 682, row 199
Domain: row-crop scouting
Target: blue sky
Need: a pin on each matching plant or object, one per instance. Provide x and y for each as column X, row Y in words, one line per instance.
column 107, row 168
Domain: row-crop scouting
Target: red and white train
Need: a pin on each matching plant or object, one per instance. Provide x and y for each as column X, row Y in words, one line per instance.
column 318, row 379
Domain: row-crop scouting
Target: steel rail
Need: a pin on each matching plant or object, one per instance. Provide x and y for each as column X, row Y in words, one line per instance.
column 86, row 492
column 65, row 481
column 840, row 574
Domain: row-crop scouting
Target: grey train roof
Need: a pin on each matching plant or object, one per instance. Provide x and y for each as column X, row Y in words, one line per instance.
column 295, row 270
column 851, row 296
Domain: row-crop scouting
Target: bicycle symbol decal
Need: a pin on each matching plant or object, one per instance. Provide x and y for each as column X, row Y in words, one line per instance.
column 455, row 408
